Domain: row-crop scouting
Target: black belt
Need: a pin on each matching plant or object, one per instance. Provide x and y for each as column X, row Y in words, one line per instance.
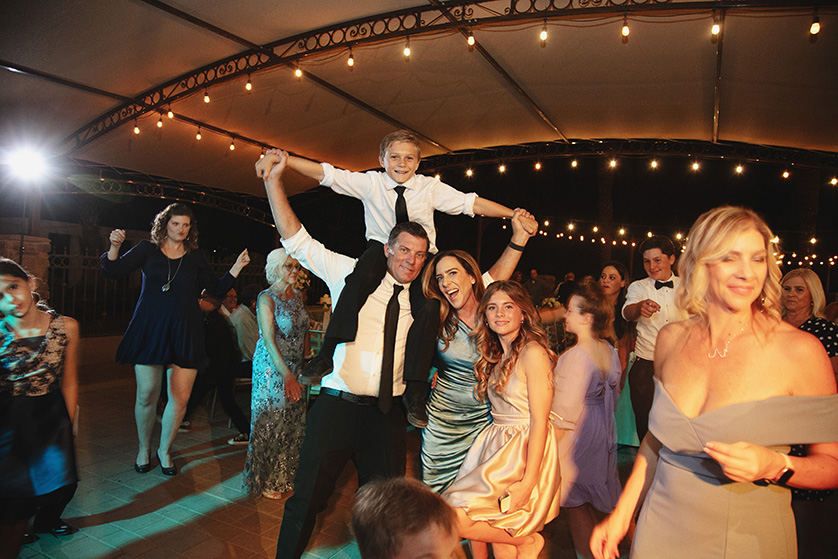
column 349, row 397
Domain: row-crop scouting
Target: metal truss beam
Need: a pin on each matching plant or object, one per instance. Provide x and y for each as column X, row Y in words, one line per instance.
column 86, row 177
column 421, row 20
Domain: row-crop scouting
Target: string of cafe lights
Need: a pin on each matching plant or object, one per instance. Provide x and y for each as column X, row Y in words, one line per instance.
column 543, row 34
column 586, row 232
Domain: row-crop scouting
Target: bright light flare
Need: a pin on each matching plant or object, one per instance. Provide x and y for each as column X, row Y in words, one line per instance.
column 26, row 164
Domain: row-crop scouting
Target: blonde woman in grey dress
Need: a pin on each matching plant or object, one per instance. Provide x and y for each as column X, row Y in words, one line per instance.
column 734, row 387
column 277, row 422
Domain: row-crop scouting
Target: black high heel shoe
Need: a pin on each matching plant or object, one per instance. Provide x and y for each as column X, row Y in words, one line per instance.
column 167, row 471
column 142, row 469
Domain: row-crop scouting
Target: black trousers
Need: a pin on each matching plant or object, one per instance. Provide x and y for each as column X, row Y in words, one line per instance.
column 204, row 383
column 364, row 279
column 642, row 390
column 338, row 431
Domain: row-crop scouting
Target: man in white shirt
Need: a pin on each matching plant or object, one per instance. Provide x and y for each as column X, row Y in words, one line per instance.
column 243, row 319
column 229, row 303
column 651, row 303
column 390, row 197
column 353, row 418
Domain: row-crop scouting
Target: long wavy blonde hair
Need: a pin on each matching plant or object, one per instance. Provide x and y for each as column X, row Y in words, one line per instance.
column 708, row 241
column 449, row 320
column 488, row 343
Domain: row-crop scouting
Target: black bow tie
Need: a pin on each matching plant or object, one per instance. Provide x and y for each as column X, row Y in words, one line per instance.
column 659, row 284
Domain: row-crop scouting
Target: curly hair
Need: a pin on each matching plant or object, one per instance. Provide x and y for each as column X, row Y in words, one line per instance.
column 813, row 284
column 161, row 221
column 488, row 344
column 449, row 320
column 708, row 241
column 592, row 300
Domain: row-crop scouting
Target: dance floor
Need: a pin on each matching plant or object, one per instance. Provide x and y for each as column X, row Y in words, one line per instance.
column 201, row 513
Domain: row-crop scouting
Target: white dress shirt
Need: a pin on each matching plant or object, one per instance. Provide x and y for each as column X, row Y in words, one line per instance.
column 648, row 328
column 247, row 330
column 422, row 194
column 357, row 365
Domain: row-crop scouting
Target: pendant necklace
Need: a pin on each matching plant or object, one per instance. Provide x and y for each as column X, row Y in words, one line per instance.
column 170, row 277
column 722, row 354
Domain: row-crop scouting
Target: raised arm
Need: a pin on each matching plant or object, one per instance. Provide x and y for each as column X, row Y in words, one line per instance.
column 485, row 207
column 524, row 226
column 270, row 168
column 305, row 167
column 117, row 237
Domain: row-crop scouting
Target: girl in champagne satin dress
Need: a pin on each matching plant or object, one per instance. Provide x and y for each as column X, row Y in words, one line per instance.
column 455, row 415
column 509, row 484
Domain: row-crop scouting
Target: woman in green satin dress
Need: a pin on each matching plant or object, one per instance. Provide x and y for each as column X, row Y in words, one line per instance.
column 455, row 415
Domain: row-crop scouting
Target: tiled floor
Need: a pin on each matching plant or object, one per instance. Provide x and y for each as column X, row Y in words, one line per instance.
column 201, row 513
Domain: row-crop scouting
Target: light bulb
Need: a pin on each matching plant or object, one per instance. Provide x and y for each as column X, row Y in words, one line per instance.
column 502, row 168
column 695, row 165
column 613, row 163
column 298, row 72
column 407, row 48
column 232, row 145
column 351, row 60
column 198, row 135
column 785, row 174
column 625, row 29
column 815, row 28
column 206, row 97
column 470, row 39
column 538, row 166
column 136, row 128
column 160, row 122
column 715, row 29
column 739, row 168
column 249, row 85
column 170, row 114
column 469, row 172
column 543, row 34
column 654, row 164
column 574, row 163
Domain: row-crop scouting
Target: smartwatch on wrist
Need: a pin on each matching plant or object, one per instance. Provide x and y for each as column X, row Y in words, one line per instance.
column 782, row 477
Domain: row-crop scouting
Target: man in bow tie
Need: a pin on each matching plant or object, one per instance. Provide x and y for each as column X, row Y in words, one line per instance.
column 651, row 303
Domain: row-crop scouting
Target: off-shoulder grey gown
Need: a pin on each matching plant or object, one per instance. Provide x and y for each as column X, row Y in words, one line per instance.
column 692, row 510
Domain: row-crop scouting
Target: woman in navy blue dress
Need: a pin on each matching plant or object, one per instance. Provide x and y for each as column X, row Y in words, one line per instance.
column 166, row 331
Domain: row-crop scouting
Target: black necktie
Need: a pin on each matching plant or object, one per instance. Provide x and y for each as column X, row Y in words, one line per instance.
column 401, row 205
column 659, row 284
column 391, row 321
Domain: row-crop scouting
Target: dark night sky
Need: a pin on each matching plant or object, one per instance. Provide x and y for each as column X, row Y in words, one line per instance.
column 665, row 200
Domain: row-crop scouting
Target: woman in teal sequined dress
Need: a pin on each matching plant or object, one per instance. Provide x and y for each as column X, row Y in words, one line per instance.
column 277, row 420
column 455, row 415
